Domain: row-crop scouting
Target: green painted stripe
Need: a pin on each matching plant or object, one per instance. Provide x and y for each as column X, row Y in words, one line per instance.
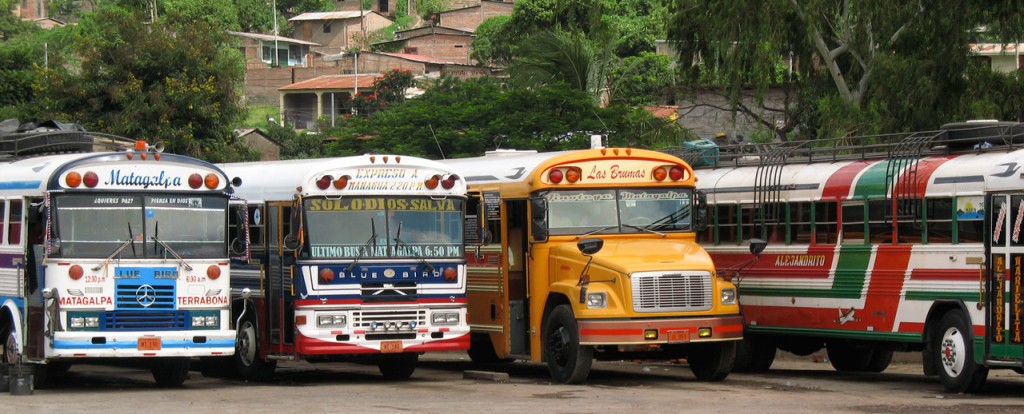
column 924, row 296
column 836, row 333
column 871, row 183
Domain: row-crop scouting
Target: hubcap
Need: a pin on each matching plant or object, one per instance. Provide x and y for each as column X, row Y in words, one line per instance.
column 246, row 344
column 951, row 348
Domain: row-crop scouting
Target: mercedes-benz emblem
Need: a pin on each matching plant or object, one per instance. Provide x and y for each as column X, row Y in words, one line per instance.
column 145, row 295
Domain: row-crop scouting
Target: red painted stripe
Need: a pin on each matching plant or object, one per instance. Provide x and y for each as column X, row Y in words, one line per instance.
column 612, row 331
column 840, row 182
column 883, row 297
column 946, row 275
column 925, row 168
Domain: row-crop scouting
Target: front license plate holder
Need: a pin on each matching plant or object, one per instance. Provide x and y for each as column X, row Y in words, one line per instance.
column 391, row 347
column 678, row 336
column 149, row 344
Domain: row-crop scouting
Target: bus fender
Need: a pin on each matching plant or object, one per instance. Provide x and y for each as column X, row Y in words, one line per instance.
column 935, row 313
column 10, row 317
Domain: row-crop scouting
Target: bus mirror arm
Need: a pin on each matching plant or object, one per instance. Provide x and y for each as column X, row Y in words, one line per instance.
column 588, row 247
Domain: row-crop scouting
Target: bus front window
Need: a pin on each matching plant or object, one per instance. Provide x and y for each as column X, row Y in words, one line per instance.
column 619, row 211
column 194, row 227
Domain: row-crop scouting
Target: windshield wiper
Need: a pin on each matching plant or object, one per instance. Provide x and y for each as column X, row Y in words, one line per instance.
column 372, row 239
column 115, row 253
column 398, row 240
column 167, row 248
column 597, row 231
column 644, row 228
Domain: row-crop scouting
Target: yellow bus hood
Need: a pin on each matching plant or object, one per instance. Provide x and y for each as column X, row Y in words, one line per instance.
column 645, row 255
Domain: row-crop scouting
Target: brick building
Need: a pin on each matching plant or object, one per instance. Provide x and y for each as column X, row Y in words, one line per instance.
column 442, row 43
column 469, row 18
column 258, row 50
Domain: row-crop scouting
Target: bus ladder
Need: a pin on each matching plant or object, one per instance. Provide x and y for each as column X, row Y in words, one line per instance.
column 903, row 203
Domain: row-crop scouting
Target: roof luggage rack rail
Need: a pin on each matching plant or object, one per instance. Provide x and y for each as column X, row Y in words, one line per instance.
column 51, row 137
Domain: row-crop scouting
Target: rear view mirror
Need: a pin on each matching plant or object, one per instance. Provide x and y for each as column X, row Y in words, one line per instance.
column 539, row 219
column 757, row 246
column 590, row 246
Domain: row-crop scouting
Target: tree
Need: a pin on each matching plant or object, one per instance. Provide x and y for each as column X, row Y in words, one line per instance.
column 491, row 46
column 839, row 48
column 159, row 81
column 556, row 57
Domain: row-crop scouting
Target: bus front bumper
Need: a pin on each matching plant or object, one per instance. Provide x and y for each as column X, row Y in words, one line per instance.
column 660, row 331
column 99, row 344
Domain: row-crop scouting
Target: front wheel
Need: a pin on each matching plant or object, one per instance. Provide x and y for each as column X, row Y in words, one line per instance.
column 754, row 355
column 712, row 361
column 568, row 361
column 954, row 355
column 848, row 357
column 247, row 354
column 398, row 366
column 170, row 372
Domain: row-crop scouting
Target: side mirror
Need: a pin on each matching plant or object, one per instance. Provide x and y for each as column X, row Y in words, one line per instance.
column 539, row 219
column 291, row 242
column 700, row 205
column 757, row 246
column 590, row 246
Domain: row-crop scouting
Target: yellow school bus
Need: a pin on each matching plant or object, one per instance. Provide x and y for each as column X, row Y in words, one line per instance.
column 592, row 254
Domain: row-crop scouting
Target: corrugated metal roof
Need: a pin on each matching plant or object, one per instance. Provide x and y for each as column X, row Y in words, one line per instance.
column 332, row 15
column 270, row 38
column 331, row 82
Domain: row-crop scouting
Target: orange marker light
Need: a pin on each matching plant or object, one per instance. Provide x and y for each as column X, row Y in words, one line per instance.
column 73, row 179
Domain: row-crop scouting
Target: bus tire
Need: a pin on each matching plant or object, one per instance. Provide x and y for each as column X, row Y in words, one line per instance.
column 568, row 361
column 954, row 355
column 170, row 372
column 10, row 356
column 880, row 360
column 398, row 366
column 848, row 357
column 247, row 354
column 754, row 355
column 712, row 361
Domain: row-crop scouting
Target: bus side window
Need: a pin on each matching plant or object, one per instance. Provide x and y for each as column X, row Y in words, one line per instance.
column 825, row 231
column 800, row 222
column 3, row 220
column 880, row 221
column 940, row 220
column 14, row 230
column 725, row 218
column 853, row 222
column 969, row 222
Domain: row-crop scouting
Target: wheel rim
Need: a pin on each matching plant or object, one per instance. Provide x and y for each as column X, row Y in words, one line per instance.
column 11, row 349
column 951, row 352
column 558, row 345
column 247, row 344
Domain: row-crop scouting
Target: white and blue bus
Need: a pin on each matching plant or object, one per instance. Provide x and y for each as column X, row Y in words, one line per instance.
column 114, row 254
column 350, row 258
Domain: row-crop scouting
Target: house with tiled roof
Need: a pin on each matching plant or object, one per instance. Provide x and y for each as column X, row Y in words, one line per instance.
column 1000, row 57
column 336, row 31
column 259, row 50
column 303, row 103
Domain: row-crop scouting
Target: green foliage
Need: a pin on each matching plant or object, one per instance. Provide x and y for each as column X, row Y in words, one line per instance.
column 294, row 145
column 457, row 118
column 646, row 79
column 220, row 15
column 427, row 8
column 555, row 57
column 388, row 89
column 491, row 45
column 161, row 82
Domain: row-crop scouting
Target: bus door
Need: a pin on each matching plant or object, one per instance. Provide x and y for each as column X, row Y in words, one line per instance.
column 1005, row 278
column 516, row 224
column 280, row 301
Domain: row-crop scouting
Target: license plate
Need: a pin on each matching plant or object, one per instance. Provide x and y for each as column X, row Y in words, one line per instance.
column 679, row 336
column 149, row 344
column 389, row 347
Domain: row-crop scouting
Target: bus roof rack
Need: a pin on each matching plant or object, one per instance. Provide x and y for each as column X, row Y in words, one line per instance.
column 951, row 138
column 32, row 139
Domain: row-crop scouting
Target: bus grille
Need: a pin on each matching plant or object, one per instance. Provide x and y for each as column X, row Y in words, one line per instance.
column 671, row 291
column 394, row 320
column 135, row 296
column 144, row 321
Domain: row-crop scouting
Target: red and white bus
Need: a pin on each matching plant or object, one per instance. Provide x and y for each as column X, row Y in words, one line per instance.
column 904, row 242
column 112, row 255
column 350, row 258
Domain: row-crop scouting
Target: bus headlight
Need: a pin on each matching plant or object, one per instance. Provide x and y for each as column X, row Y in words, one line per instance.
column 597, row 300
column 729, row 296
column 331, row 320
column 444, row 318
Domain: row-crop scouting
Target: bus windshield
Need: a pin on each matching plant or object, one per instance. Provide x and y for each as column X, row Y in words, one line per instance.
column 625, row 210
column 391, row 227
column 97, row 226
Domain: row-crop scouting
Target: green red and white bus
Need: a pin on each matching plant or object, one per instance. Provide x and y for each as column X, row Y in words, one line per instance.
column 880, row 244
